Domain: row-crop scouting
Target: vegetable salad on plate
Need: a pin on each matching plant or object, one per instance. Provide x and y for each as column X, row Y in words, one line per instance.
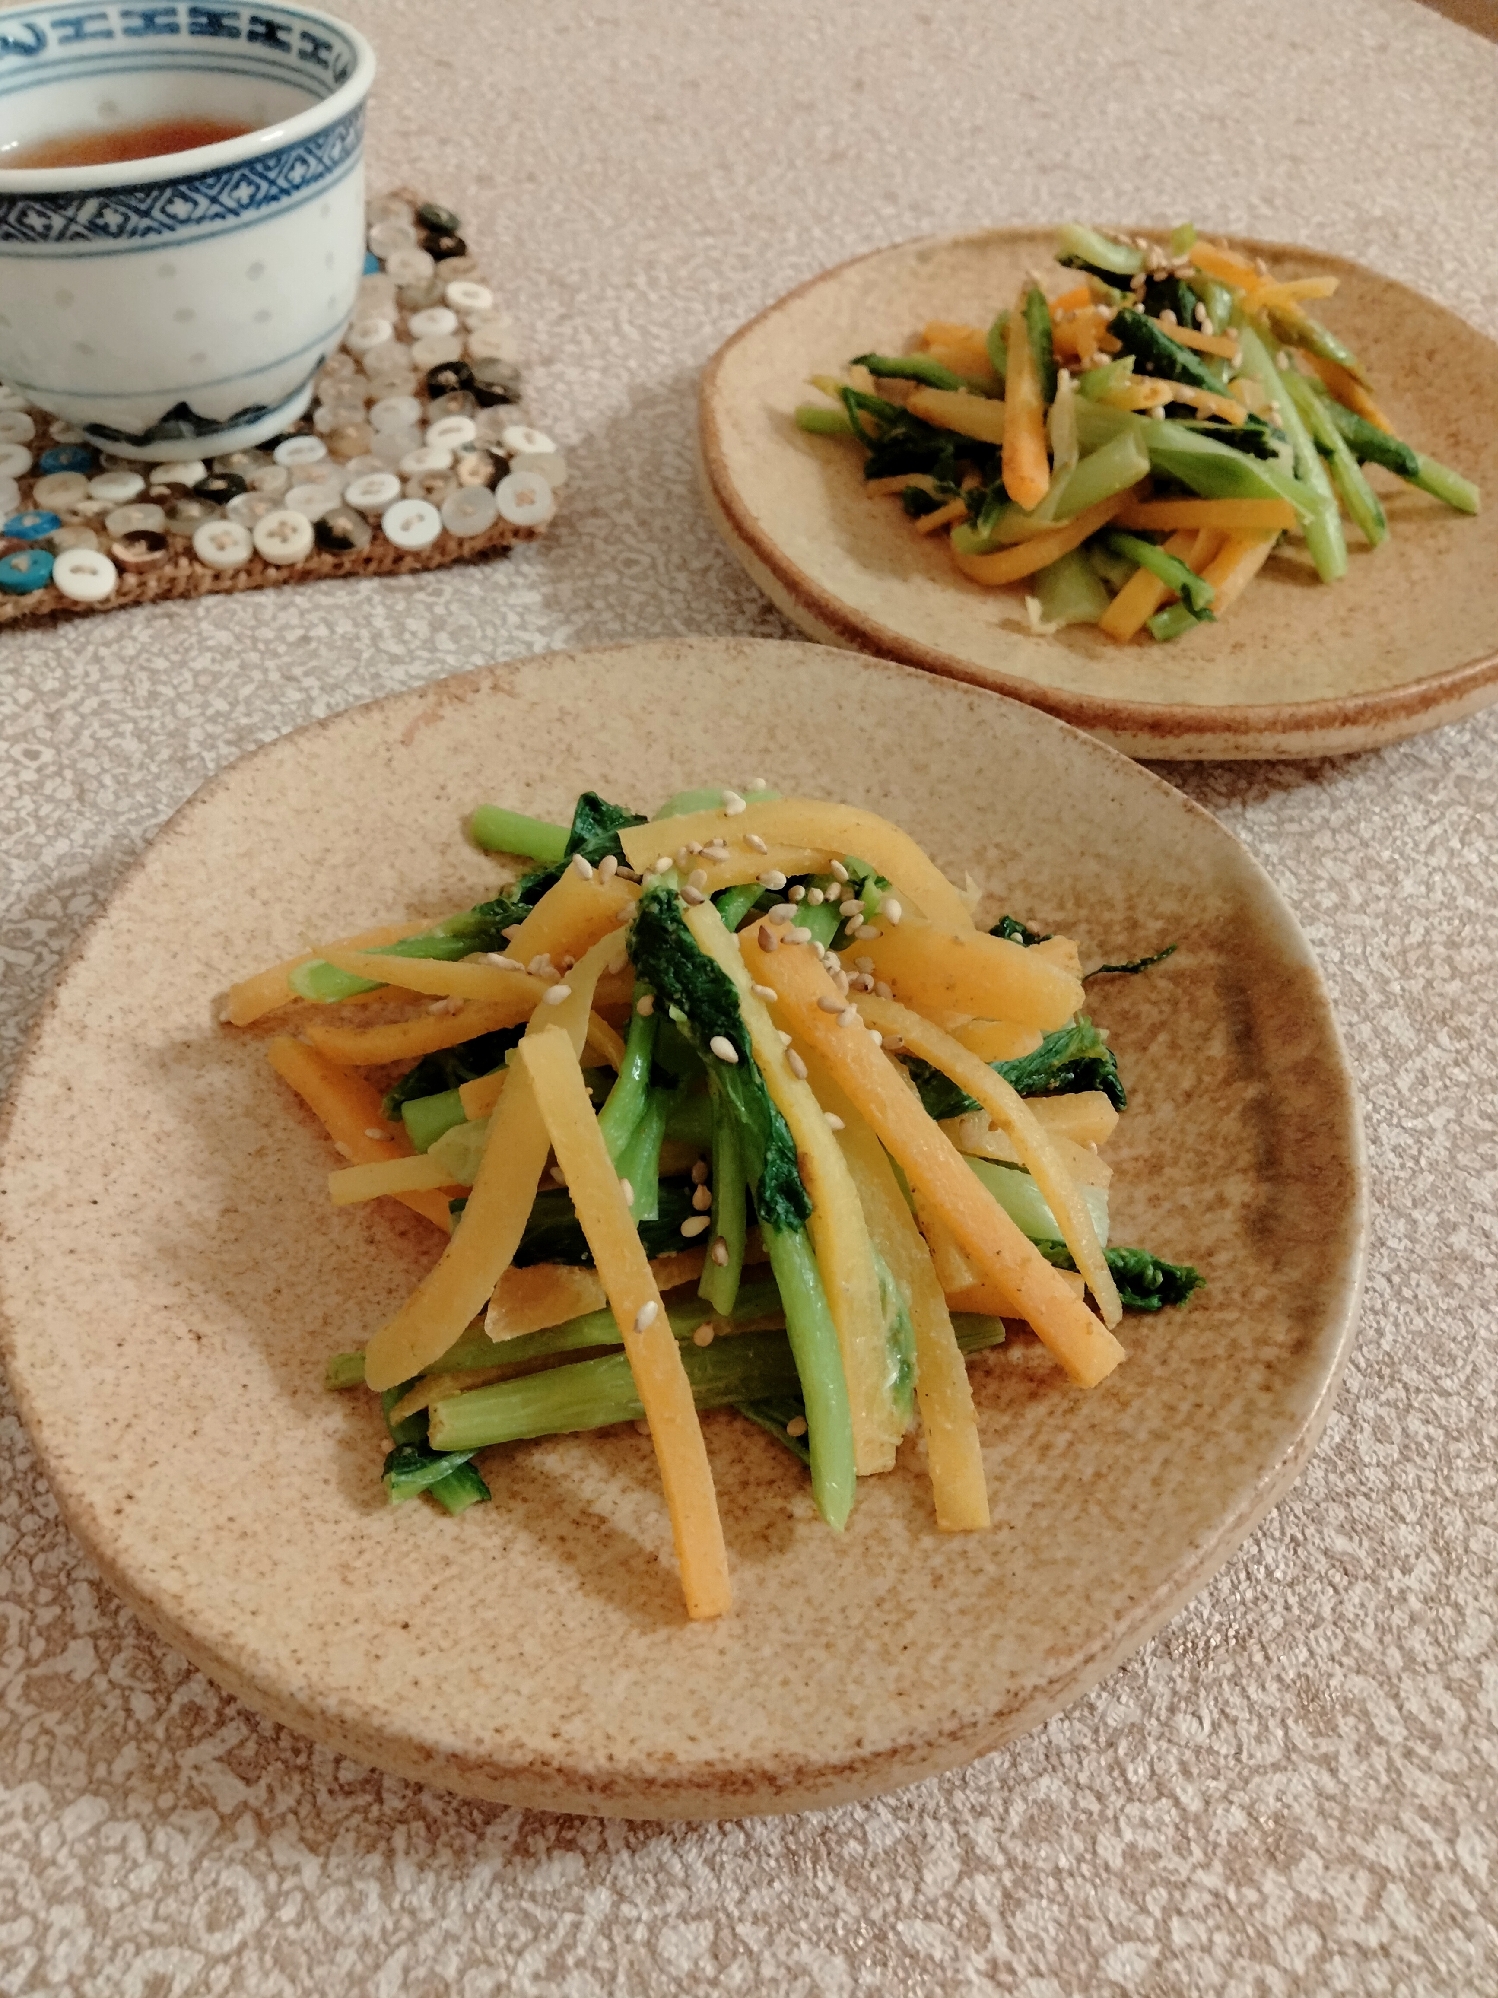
column 734, row 1107
column 1133, row 449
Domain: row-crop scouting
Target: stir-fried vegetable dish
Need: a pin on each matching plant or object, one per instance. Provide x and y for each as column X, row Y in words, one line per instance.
column 1133, row 449
column 736, row 1107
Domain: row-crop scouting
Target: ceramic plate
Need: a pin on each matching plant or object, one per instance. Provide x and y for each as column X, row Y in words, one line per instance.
column 1409, row 640
column 174, row 1277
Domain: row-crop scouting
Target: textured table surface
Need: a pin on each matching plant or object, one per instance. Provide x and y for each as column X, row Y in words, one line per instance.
column 1294, row 1788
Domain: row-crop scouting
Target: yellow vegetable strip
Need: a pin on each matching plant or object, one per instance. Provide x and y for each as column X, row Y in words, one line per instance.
column 1026, row 466
column 964, row 360
column 349, row 1108
column 827, row 830
column 1225, row 345
column 1060, row 951
column 1071, row 301
column 439, row 980
column 252, row 998
column 943, row 1392
column 1233, row 515
column 571, row 916
column 1231, row 571
column 550, row 1064
column 479, row 1097
column 967, row 415
column 530, row 1299
column 1011, row 1113
column 602, row 1039
column 408, row 1040
column 1349, row 391
column 1225, row 264
column 837, row 1228
column 1277, row 292
column 975, row 1135
column 943, row 517
column 367, row 1182
column 499, row 1205
column 997, row 1040
column 1086, row 1117
column 1009, row 564
column 964, row 971
column 1143, row 594
column 938, row 1175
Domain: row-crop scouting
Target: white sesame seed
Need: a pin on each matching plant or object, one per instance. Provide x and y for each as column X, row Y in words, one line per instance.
column 664, row 864
column 783, row 912
column 834, row 1122
column 642, row 1427
column 626, row 1187
column 894, row 1045
column 1203, row 317
column 848, row 1016
column 890, row 909
column 501, row 962
column 627, row 873
column 693, row 897
column 583, row 866
column 568, row 960
column 883, row 990
column 796, row 1426
column 785, row 1038
column 795, row 1064
column 703, row 1336
column 830, row 1004
column 863, row 964
column 765, row 992
column 852, row 907
column 837, row 870
column 753, row 840
column 719, row 1253
column 697, row 878
column 702, row 1199
column 866, row 932
column 772, row 878
column 733, row 804
column 446, row 1006
column 558, row 1176
column 646, row 1316
column 876, row 1037
column 684, row 854
column 768, row 940
column 1167, row 318
column 510, row 932
column 555, row 994
column 540, row 964
column 374, row 1131
column 1157, row 414
column 645, row 1005
column 798, row 936
column 716, row 849
column 815, row 898
column 608, row 867
column 724, row 1049
column 342, row 1149
column 758, row 784
column 694, row 1225
column 796, row 894
column 226, row 1019
column 617, row 964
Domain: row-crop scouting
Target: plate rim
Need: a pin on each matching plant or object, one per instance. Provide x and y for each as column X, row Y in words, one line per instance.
column 670, row 1798
column 1163, row 730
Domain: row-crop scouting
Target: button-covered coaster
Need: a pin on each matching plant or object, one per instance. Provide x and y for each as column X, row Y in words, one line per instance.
column 414, row 452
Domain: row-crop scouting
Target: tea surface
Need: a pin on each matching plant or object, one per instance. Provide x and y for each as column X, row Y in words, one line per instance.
column 124, row 142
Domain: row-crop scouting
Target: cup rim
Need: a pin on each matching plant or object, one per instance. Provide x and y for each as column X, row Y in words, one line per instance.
column 227, row 152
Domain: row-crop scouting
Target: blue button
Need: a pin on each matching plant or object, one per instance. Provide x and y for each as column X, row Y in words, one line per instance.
column 27, row 570
column 34, row 526
column 69, row 458
column 371, row 264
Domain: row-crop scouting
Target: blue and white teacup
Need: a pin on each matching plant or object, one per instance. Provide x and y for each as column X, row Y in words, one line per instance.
column 179, row 306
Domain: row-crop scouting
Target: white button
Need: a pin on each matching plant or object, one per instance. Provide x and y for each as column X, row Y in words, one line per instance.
column 66, row 433
column 520, row 437
column 185, row 472
column 390, row 235
column 116, row 487
column 139, row 518
column 326, row 472
column 550, row 464
column 487, row 343
column 411, row 523
column 390, row 362
column 395, row 412
column 299, row 451
column 10, row 496
column 11, row 398
column 284, row 536
column 73, row 537
column 432, row 323
column 409, row 266
column 464, row 296
column 448, row 432
column 226, row 544
column 525, row 499
column 15, row 461
column 272, row 479
column 362, row 466
column 365, row 334
column 248, row 508
column 427, row 458
column 374, row 492
column 436, row 351
column 17, row 427
column 312, row 501
column 470, row 510
column 59, row 489
column 85, row 575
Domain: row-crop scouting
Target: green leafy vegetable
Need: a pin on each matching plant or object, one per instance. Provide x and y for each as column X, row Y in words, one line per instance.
column 1134, row 964
column 1145, row 1282
column 1073, row 1058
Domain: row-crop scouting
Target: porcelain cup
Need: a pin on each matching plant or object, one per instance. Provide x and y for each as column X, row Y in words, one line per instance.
column 180, row 306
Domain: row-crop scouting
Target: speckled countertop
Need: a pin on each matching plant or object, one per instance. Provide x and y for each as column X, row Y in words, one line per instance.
column 1294, row 1788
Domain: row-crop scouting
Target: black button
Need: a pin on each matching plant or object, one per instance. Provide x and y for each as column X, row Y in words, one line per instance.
column 221, row 487
column 450, row 375
column 341, row 531
column 439, row 244
column 443, row 220
column 494, row 381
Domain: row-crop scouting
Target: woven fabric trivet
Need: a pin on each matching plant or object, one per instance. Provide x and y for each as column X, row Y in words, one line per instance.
column 182, row 574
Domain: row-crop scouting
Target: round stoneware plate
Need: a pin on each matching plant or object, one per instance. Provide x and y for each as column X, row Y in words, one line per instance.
column 1407, row 641
column 174, row 1276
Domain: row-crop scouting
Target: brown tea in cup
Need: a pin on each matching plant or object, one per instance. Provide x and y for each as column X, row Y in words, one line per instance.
column 124, row 142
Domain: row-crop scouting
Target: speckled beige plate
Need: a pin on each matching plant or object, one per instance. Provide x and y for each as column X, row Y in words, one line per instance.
column 1409, row 640
column 173, row 1276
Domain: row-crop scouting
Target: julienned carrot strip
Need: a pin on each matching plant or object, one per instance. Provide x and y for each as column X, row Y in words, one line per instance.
column 1142, row 595
column 252, row 998
column 1224, row 345
column 1206, row 548
column 436, row 977
column 1069, row 301
column 408, row 1040
column 1026, row 466
column 352, row 1184
column 969, row 415
column 438, row 1311
column 551, row 1067
column 349, row 1108
column 943, row 517
column 1232, row 515
column 1225, row 264
column 1241, row 559
column 1009, row 564
column 1349, row 391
